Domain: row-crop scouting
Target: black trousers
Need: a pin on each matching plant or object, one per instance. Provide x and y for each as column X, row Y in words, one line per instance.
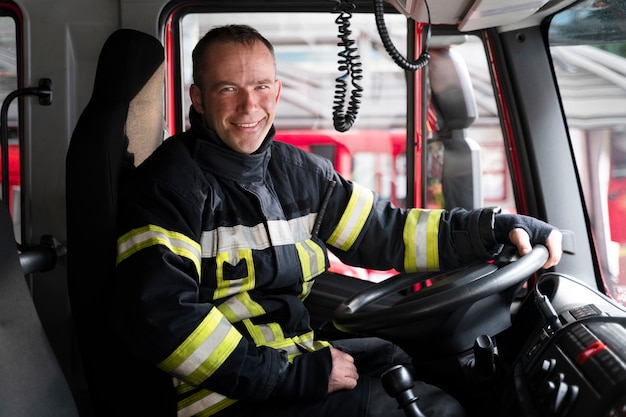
column 372, row 356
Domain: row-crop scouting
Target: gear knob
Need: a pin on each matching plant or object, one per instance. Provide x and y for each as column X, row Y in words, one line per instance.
column 398, row 383
column 397, row 380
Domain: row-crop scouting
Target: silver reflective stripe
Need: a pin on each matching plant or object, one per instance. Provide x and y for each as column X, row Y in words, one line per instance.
column 240, row 308
column 421, row 239
column 208, row 347
column 280, row 233
column 312, row 259
column 267, row 333
column 204, row 350
column 232, row 239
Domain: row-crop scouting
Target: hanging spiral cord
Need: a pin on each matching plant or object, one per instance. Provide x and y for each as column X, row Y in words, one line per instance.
column 350, row 65
column 379, row 13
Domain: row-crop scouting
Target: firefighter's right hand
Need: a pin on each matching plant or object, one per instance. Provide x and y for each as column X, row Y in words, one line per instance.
column 343, row 375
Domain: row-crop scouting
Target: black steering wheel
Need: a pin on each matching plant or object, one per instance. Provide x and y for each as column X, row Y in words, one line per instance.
column 448, row 315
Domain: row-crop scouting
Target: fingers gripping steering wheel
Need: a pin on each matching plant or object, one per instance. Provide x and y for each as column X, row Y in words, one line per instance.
column 461, row 305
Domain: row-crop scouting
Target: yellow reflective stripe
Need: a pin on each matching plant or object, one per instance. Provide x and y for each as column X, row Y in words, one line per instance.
column 307, row 342
column 421, row 240
column 271, row 335
column 217, row 407
column 294, row 346
column 257, row 237
column 305, row 261
column 305, row 339
column 204, row 350
column 353, row 218
column 202, row 403
column 226, row 287
column 291, row 349
column 239, row 307
column 151, row 235
column 282, row 343
column 206, row 403
column 312, row 261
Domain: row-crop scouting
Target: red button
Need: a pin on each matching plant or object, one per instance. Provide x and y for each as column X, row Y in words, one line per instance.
column 589, row 352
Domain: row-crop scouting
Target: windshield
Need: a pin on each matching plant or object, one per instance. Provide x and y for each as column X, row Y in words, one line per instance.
column 588, row 46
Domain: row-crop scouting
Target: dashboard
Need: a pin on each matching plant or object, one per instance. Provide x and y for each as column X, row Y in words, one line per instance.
column 575, row 364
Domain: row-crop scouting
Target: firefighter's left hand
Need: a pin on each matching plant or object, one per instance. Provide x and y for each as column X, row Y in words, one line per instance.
column 520, row 238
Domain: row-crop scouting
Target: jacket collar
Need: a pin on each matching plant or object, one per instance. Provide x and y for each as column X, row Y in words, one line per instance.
column 215, row 156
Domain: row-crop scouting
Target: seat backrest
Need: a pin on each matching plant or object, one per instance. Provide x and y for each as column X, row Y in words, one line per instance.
column 120, row 126
column 31, row 380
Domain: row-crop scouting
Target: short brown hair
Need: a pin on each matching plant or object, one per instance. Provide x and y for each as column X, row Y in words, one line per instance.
column 243, row 34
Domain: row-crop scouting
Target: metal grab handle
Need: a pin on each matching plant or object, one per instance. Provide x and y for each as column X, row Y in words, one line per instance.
column 44, row 92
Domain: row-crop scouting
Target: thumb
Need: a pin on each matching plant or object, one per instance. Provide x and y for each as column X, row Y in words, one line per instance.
column 520, row 238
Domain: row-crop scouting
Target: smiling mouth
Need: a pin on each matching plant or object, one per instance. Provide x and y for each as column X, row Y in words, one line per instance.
column 247, row 125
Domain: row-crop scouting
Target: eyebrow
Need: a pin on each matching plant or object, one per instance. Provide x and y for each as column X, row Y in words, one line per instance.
column 224, row 83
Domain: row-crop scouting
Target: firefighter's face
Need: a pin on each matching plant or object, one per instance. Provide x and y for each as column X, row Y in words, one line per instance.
column 238, row 93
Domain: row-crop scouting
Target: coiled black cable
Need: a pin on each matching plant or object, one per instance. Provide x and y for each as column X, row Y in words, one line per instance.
column 379, row 13
column 350, row 65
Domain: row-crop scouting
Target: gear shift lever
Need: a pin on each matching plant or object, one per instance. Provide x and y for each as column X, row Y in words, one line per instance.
column 398, row 383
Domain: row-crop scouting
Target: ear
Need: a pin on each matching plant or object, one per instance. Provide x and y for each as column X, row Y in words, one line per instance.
column 279, row 86
column 195, row 93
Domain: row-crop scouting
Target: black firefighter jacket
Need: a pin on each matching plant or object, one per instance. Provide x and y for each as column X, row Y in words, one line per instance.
column 217, row 250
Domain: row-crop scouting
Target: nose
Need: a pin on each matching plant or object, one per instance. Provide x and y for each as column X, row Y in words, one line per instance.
column 247, row 100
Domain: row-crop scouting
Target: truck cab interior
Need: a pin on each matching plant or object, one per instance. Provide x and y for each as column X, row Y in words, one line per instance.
column 505, row 337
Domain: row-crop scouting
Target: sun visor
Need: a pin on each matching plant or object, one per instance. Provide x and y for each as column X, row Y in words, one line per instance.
column 492, row 13
column 469, row 15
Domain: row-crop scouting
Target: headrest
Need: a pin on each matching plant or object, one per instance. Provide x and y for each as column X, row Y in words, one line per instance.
column 125, row 112
column 127, row 61
column 131, row 73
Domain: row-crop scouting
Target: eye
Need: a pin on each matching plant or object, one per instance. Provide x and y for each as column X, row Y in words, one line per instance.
column 223, row 88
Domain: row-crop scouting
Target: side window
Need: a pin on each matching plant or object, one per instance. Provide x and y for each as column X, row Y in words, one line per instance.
column 10, row 162
column 590, row 65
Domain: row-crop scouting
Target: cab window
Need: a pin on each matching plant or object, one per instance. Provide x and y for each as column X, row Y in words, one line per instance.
column 590, row 64
column 10, row 151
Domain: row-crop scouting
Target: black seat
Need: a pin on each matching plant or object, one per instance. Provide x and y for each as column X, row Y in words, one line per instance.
column 31, row 380
column 120, row 126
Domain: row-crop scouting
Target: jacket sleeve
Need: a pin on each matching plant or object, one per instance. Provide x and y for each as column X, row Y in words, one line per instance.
column 163, row 318
column 367, row 231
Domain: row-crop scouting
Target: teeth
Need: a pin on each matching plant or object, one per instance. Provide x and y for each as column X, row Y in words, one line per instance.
column 247, row 124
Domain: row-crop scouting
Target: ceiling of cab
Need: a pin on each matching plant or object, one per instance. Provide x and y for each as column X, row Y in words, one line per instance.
column 471, row 15
column 467, row 15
